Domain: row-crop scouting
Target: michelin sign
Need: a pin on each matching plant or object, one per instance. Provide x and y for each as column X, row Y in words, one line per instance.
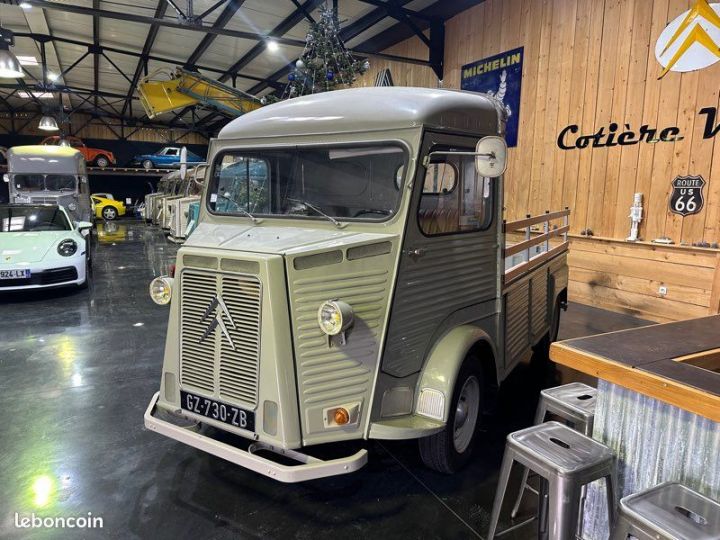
column 499, row 76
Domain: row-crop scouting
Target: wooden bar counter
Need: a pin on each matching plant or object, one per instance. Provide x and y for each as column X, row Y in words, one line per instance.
column 658, row 407
column 677, row 363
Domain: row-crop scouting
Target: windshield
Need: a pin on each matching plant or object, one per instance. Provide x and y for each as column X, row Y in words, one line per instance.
column 44, row 182
column 32, row 218
column 344, row 182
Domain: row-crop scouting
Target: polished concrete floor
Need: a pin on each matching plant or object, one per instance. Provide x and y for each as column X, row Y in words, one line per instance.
column 77, row 369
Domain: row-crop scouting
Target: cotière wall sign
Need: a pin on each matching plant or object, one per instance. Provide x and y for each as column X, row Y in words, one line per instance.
column 690, row 42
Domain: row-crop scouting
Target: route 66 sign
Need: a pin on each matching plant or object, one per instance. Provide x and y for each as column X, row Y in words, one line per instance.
column 687, row 195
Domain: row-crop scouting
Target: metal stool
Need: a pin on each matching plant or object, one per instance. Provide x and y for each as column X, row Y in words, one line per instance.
column 669, row 511
column 567, row 461
column 574, row 403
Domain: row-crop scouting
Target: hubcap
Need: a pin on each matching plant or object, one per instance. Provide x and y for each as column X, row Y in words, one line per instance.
column 466, row 414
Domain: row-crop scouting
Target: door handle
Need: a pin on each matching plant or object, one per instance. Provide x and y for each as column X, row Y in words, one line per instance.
column 416, row 253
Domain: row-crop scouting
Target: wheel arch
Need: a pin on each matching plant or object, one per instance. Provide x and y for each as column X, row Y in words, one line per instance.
column 444, row 363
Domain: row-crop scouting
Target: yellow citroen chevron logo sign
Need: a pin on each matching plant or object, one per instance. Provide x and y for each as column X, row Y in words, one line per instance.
column 691, row 41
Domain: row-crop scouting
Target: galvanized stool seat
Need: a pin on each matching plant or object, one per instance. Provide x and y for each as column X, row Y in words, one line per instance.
column 574, row 403
column 567, row 461
column 668, row 511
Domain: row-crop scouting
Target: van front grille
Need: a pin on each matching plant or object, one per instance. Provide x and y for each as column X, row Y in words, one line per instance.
column 220, row 334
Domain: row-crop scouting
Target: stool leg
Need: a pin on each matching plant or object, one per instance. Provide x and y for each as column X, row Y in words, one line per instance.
column 564, row 508
column 540, row 415
column 611, row 489
column 507, row 464
column 523, row 486
column 621, row 530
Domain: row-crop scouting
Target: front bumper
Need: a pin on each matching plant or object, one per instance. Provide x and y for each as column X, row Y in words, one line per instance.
column 308, row 468
column 45, row 276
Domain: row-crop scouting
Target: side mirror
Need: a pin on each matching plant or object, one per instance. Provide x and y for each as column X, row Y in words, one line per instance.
column 491, row 157
column 183, row 163
column 84, row 226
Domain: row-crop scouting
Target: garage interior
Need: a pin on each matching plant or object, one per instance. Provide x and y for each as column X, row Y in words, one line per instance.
column 612, row 153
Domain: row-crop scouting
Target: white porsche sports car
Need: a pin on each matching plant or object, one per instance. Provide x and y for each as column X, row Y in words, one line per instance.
column 41, row 247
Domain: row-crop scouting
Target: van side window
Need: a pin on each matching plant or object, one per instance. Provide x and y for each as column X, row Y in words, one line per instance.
column 454, row 198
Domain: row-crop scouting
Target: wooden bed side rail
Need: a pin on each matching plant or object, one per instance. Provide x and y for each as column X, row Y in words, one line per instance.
column 526, row 246
column 529, row 221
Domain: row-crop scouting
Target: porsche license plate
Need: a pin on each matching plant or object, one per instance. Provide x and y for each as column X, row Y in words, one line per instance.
column 222, row 412
column 14, row 274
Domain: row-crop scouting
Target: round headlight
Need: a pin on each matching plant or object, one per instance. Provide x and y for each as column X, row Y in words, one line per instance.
column 334, row 317
column 67, row 247
column 161, row 290
column 72, row 206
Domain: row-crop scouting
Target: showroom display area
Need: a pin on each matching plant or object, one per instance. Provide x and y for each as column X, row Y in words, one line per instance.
column 360, row 268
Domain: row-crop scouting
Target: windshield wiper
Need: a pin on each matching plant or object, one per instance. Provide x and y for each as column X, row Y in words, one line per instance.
column 241, row 210
column 316, row 209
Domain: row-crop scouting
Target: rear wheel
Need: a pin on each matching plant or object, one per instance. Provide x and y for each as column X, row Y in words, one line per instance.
column 109, row 213
column 449, row 450
column 102, row 161
column 147, row 164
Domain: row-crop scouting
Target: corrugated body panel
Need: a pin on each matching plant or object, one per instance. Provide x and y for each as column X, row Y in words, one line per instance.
column 453, row 272
column 517, row 325
column 225, row 369
column 328, row 376
column 539, row 303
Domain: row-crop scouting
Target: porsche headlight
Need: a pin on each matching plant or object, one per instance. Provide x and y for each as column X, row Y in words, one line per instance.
column 334, row 317
column 72, row 206
column 67, row 247
column 161, row 290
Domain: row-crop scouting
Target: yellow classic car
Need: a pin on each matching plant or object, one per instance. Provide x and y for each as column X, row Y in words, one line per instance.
column 106, row 207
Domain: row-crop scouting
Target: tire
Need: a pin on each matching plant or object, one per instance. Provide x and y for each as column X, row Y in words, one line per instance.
column 109, row 213
column 543, row 346
column 451, row 449
column 147, row 164
column 102, row 161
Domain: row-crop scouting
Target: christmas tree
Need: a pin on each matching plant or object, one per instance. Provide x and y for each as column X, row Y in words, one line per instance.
column 325, row 63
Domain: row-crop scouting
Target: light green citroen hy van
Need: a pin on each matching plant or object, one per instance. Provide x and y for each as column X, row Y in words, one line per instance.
column 350, row 279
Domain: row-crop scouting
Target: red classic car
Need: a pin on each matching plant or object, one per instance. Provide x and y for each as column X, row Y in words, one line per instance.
column 93, row 156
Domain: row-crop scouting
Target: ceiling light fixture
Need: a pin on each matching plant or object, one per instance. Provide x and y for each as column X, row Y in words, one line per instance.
column 25, row 5
column 9, row 64
column 52, row 77
column 48, row 123
column 38, row 95
column 272, row 45
column 27, row 60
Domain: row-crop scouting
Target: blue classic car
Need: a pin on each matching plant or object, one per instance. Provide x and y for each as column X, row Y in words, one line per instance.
column 168, row 157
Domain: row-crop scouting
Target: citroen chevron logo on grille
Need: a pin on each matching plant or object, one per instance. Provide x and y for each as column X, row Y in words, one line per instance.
column 218, row 307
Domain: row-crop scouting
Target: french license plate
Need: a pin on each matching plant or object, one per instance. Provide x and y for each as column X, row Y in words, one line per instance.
column 222, row 412
column 14, row 274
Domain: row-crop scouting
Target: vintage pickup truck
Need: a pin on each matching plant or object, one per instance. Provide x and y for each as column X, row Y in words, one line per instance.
column 350, row 279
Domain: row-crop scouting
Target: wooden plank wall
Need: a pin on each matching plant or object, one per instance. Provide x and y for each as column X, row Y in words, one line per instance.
column 592, row 62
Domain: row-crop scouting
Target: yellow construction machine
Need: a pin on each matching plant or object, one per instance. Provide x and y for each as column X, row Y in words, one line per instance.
column 163, row 91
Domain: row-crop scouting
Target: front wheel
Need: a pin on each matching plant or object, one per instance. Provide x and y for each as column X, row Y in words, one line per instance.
column 147, row 165
column 449, row 450
column 102, row 162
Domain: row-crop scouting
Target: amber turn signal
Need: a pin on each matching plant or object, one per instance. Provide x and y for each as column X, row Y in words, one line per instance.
column 341, row 416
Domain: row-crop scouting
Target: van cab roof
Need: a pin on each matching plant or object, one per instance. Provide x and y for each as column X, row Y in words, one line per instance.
column 371, row 109
column 45, row 159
